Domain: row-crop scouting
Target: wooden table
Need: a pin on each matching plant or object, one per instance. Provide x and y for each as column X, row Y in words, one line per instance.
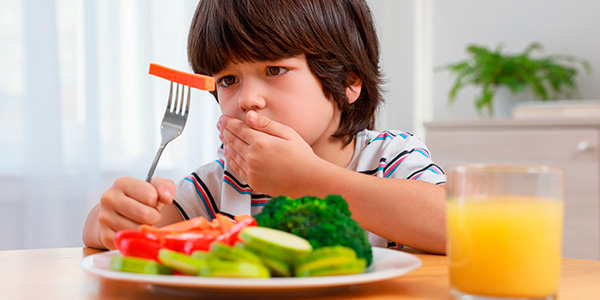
column 55, row 274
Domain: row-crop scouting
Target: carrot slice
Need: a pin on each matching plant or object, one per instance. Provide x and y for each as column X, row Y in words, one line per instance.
column 198, row 81
column 242, row 217
column 187, row 225
column 160, row 234
column 204, row 224
column 225, row 223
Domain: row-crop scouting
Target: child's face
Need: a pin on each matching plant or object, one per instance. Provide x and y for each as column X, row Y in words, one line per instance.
column 285, row 91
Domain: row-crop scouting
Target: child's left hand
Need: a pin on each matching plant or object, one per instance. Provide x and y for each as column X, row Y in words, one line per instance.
column 271, row 157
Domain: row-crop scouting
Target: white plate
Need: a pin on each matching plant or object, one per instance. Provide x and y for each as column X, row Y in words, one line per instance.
column 386, row 264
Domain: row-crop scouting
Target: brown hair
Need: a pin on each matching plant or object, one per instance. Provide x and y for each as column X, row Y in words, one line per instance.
column 337, row 36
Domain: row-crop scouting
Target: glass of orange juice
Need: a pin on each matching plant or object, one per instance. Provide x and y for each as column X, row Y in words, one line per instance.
column 504, row 231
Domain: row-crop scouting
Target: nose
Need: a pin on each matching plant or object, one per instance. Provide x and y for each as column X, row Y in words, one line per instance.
column 251, row 96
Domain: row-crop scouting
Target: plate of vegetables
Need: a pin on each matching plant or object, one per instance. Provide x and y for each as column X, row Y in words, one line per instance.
column 243, row 256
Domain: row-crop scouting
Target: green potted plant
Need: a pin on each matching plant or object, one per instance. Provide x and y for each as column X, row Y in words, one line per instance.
column 489, row 70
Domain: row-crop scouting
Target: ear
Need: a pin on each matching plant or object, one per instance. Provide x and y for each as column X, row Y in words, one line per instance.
column 354, row 88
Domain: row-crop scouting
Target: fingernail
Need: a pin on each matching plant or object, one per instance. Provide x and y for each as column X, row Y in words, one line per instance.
column 220, row 136
column 252, row 116
column 220, row 123
column 225, row 151
column 168, row 194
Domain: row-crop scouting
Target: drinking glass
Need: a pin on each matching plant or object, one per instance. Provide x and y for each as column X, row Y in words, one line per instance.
column 504, row 227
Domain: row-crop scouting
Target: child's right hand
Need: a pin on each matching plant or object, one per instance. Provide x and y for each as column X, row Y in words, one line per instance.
column 131, row 202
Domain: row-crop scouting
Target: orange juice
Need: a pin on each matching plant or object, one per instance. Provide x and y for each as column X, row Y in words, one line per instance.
column 507, row 246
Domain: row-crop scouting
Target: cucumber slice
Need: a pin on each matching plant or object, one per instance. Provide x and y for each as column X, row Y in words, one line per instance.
column 223, row 268
column 138, row 265
column 351, row 267
column 241, row 245
column 329, row 261
column 277, row 267
column 181, row 262
column 275, row 243
column 328, row 255
column 226, row 252
column 248, row 248
column 202, row 255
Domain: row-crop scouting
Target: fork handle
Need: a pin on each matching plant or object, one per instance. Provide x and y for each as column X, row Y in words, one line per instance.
column 155, row 162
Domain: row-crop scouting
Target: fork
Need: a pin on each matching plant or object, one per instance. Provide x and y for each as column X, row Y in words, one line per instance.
column 173, row 122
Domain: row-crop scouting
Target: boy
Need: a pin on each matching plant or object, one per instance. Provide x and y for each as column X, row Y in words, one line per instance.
column 298, row 84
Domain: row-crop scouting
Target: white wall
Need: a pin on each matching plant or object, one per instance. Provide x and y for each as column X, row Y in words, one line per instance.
column 562, row 27
column 395, row 24
column 419, row 35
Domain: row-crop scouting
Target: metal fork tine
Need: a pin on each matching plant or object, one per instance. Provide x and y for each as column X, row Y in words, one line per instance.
column 170, row 97
column 187, row 103
column 176, row 107
column 180, row 110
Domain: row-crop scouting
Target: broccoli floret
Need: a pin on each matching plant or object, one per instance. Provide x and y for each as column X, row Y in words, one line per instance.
column 323, row 222
column 339, row 203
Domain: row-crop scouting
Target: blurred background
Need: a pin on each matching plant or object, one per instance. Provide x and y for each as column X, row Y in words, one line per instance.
column 78, row 108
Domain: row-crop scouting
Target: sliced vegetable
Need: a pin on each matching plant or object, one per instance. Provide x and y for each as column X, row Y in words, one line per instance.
column 326, row 256
column 242, row 217
column 231, row 236
column 275, row 243
column 138, row 265
column 181, row 262
column 200, row 243
column 230, row 253
column 197, row 223
column 202, row 82
column 139, row 247
column 277, row 267
column 203, row 255
column 188, row 242
column 351, row 267
column 127, row 234
column 223, row 268
column 224, row 223
column 330, row 260
column 155, row 231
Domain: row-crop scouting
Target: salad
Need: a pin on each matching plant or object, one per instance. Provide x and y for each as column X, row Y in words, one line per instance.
column 226, row 247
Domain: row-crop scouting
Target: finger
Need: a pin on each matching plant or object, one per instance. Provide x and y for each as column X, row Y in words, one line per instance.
column 236, row 163
column 107, row 237
column 130, row 208
column 234, row 128
column 137, row 189
column 237, row 134
column 234, row 146
column 166, row 189
column 264, row 124
column 111, row 222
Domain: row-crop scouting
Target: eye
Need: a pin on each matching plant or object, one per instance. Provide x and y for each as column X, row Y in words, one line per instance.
column 227, row 81
column 276, row 71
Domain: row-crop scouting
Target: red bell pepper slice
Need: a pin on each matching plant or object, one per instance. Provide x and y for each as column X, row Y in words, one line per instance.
column 231, row 236
column 202, row 244
column 188, row 242
column 137, row 244
column 127, row 234
column 141, row 248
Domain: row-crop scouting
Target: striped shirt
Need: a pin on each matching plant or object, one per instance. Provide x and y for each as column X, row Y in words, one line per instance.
column 215, row 188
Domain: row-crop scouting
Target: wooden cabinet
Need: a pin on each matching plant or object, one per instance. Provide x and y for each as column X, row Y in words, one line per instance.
column 569, row 144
